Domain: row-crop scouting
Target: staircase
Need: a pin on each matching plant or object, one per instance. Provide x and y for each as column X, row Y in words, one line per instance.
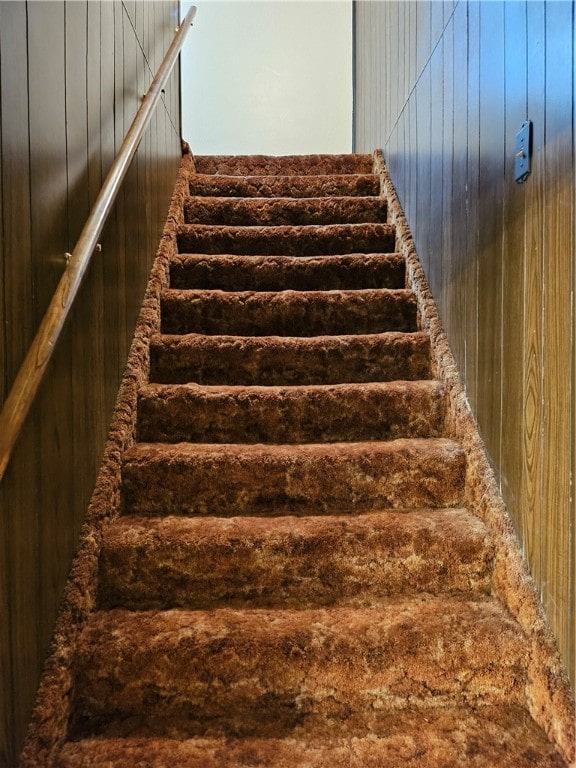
column 296, row 577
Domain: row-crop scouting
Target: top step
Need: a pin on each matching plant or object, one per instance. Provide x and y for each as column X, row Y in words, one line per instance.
column 291, row 165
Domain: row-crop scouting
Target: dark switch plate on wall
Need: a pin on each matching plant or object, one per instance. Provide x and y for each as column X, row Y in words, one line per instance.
column 523, row 152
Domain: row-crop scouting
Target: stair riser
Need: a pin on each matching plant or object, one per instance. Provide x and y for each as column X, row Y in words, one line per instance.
column 282, row 211
column 281, row 273
column 270, row 362
column 289, row 313
column 300, row 480
column 289, row 562
column 237, row 672
column 286, row 165
column 284, row 186
column 288, row 241
column 344, row 413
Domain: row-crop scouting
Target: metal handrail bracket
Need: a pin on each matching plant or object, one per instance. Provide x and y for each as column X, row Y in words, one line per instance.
column 27, row 381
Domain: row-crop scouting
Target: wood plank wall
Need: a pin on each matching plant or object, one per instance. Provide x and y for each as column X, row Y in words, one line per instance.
column 71, row 79
column 442, row 88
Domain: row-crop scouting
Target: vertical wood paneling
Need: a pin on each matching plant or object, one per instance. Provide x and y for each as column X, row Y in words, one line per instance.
column 378, row 20
column 532, row 498
column 22, row 619
column 413, row 50
column 95, row 316
column 146, row 149
column 489, row 363
column 448, row 176
column 130, row 103
column 411, row 135
column 470, row 282
column 456, row 261
column 158, row 115
column 173, row 108
column 436, row 23
column 434, row 240
column 112, row 256
column 19, row 603
column 139, row 164
column 499, row 257
column 401, row 62
column 513, row 255
column 558, row 349
column 120, row 211
column 424, row 155
column 423, row 12
column 374, row 113
column 388, row 112
column 71, row 77
column 83, row 412
column 39, row 530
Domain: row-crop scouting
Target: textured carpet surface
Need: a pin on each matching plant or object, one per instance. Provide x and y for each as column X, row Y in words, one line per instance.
column 294, row 574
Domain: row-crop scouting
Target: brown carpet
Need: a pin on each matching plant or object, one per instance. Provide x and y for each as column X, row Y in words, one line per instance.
column 295, row 572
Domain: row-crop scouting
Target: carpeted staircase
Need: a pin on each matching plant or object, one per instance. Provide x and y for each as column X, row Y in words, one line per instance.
column 295, row 578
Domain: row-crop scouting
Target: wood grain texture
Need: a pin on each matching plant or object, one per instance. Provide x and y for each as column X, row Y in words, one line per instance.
column 447, row 159
column 507, row 263
column 62, row 111
column 17, row 257
column 111, row 256
column 513, row 256
column 437, row 176
column 17, row 492
column 423, row 162
column 455, row 260
column 491, row 55
column 84, row 351
column 531, row 490
column 95, row 178
column 557, row 297
column 45, row 551
column 472, row 195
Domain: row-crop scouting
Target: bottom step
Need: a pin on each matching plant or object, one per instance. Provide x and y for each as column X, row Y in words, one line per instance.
column 439, row 738
column 259, row 672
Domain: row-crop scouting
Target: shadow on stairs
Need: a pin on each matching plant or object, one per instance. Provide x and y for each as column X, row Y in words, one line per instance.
column 296, row 554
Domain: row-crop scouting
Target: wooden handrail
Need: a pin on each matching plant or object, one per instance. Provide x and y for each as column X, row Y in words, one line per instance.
column 23, row 392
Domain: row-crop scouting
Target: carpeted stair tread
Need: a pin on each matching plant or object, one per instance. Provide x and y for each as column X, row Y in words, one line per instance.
column 455, row 737
column 230, row 480
column 261, row 672
column 287, row 360
column 282, row 562
column 334, row 185
column 278, row 211
column 313, row 413
column 278, row 273
column 288, row 313
column 305, row 240
column 283, row 165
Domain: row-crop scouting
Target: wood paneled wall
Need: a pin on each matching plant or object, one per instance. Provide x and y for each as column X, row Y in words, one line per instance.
column 72, row 75
column 442, row 88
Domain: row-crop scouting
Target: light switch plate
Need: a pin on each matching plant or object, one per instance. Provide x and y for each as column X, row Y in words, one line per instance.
column 523, row 156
